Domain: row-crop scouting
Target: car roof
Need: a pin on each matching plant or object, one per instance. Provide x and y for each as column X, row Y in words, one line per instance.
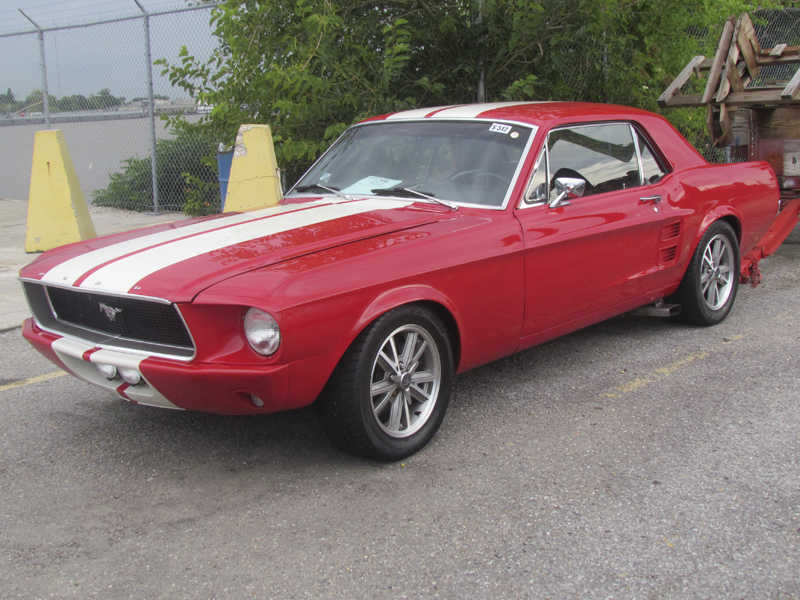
column 533, row 113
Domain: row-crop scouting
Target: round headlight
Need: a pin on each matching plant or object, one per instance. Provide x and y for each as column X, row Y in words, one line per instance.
column 262, row 331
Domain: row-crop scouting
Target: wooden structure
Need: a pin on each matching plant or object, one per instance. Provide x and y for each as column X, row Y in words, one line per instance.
column 758, row 119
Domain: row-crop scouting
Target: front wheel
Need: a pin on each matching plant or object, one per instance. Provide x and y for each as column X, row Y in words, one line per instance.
column 391, row 389
column 709, row 287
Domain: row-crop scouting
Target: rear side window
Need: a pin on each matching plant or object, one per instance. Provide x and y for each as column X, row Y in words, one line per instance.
column 651, row 169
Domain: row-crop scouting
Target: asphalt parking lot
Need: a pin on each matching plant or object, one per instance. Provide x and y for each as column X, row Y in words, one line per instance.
column 639, row 458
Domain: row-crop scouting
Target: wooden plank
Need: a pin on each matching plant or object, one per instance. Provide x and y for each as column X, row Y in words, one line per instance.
column 725, row 125
column 719, row 60
column 777, row 50
column 684, row 76
column 749, row 46
column 750, row 31
column 779, row 47
column 792, row 90
column 749, row 97
column 744, row 76
column 778, row 123
column 730, row 64
column 738, row 78
column 783, row 155
column 718, row 125
column 757, row 96
column 741, row 125
column 790, row 56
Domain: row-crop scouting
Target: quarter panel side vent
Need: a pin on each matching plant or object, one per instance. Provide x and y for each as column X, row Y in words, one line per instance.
column 670, row 231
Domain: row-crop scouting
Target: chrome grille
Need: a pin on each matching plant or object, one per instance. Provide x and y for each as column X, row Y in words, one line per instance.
column 129, row 318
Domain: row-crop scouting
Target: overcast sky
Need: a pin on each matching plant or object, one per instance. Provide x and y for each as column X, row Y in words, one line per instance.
column 85, row 60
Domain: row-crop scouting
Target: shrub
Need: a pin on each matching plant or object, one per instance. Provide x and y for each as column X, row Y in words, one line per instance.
column 188, row 153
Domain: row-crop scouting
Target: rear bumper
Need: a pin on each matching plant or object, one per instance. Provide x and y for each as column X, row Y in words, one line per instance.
column 204, row 387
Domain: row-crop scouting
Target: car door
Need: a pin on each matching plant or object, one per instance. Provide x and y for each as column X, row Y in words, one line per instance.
column 598, row 250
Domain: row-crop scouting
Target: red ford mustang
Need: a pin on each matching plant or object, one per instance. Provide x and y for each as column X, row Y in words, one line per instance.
column 422, row 244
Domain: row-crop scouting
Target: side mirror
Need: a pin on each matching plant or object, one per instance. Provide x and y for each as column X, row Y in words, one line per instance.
column 567, row 187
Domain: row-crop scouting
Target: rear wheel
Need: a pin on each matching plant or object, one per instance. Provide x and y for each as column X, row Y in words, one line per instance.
column 391, row 389
column 709, row 287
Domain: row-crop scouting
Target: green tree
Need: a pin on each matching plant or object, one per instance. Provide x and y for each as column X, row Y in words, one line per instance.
column 310, row 68
column 34, row 101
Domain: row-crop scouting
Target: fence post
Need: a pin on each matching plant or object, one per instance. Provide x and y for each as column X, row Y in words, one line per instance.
column 150, row 105
column 45, row 94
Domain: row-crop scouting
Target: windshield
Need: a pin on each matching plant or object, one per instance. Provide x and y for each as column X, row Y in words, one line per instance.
column 465, row 162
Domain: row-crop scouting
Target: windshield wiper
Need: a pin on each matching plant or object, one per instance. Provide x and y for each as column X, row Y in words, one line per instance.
column 400, row 191
column 318, row 186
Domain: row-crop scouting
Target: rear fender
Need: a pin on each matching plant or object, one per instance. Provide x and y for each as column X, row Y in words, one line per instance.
column 727, row 212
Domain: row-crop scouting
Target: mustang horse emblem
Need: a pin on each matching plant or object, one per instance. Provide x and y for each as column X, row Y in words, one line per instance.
column 109, row 311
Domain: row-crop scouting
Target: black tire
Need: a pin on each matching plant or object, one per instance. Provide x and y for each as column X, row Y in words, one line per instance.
column 376, row 408
column 708, row 289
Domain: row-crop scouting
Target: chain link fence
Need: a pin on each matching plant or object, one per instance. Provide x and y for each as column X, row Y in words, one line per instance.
column 97, row 78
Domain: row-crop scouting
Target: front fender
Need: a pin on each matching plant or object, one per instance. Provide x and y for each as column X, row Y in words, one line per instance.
column 393, row 298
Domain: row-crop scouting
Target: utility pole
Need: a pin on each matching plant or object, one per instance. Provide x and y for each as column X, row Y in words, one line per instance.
column 150, row 105
column 45, row 94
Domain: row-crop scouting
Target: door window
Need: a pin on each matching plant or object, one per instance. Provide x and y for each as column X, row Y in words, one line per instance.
column 603, row 155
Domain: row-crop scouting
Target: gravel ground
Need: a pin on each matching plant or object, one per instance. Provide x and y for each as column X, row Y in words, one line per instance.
column 639, row 458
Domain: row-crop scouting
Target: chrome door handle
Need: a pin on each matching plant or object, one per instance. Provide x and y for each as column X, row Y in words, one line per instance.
column 654, row 199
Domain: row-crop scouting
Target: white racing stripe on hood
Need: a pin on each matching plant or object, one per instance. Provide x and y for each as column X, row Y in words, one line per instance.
column 68, row 272
column 120, row 276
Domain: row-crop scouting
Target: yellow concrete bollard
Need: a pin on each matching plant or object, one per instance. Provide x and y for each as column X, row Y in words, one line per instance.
column 57, row 212
column 254, row 181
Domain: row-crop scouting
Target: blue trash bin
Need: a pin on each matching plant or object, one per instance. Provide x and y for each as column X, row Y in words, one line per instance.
column 224, row 161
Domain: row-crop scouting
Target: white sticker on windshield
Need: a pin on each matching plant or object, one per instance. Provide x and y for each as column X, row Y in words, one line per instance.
column 497, row 127
column 366, row 185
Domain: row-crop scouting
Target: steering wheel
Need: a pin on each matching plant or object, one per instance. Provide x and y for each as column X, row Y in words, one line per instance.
column 474, row 176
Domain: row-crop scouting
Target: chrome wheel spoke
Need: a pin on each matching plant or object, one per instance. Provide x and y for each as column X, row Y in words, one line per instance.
column 383, row 391
column 418, row 394
column 407, row 415
column 378, row 410
column 712, row 294
column 396, row 361
column 382, row 387
column 422, row 347
column 385, row 363
column 717, row 251
column 397, row 413
column 708, row 259
column 422, row 377
column 408, row 348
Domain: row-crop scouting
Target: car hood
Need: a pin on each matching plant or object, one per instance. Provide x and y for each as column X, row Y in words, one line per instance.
column 177, row 262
